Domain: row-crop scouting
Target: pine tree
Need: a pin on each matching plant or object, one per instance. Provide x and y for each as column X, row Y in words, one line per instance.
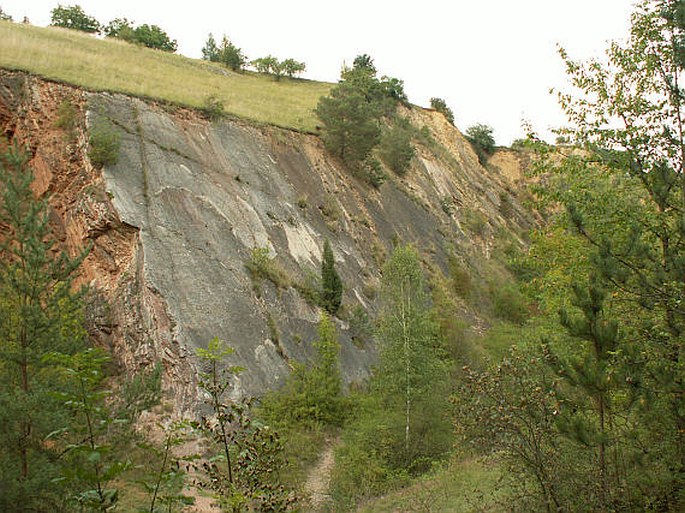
column 210, row 52
column 39, row 315
column 589, row 374
column 331, row 284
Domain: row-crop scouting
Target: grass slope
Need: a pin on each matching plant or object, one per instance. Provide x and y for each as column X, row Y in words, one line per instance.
column 112, row 65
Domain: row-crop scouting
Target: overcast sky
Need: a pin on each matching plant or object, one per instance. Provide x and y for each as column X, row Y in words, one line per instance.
column 492, row 61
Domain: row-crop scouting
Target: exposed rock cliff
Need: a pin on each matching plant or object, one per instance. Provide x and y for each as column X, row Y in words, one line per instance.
column 173, row 222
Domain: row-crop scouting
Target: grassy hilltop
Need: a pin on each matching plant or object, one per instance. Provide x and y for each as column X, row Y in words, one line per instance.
column 113, row 65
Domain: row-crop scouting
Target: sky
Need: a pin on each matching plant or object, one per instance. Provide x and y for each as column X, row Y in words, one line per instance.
column 493, row 61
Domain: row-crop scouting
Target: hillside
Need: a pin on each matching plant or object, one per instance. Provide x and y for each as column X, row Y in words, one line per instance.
column 113, row 65
column 175, row 220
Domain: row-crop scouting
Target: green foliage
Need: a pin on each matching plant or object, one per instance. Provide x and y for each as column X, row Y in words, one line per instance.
column 120, row 28
column 261, row 267
column 73, row 17
column 142, row 392
column 393, row 88
column 396, row 149
column 508, row 304
column 104, row 144
column 412, row 369
column 39, row 316
column 312, row 395
column 246, row 471
column 210, row 51
column 89, row 462
column 351, row 114
column 287, row 67
column 441, row 106
column 150, row 36
column 66, row 116
column 165, row 484
column 213, row 108
column 350, row 122
column 331, row 284
column 511, row 409
column 482, row 141
column 268, row 64
column 154, row 37
column 372, row 172
column 231, row 56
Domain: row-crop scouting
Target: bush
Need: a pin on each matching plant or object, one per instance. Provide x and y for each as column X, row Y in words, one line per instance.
column 73, row 17
column 261, row 267
column 508, row 303
column 480, row 137
column 312, row 394
column 396, row 149
column 213, row 108
column 104, row 145
column 150, row 36
column 373, row 173
column 231, row 56
column 66, row 117
column 441, row 106
column 154, row 37
column 210, row 52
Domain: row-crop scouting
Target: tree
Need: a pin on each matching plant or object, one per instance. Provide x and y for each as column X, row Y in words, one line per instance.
column 150, row 36
column 154, row 37
column 265, row 64
column 394, row 88
column 441, row 106
column 73, row 17
column 351, row 128
column 352, row 112
column 480, row 137
column 589, row 371
column 231, row 56
column 412, row 368
column 292, row 68
column 331, row 284
column 120, row 28
column 210, row 52
column 39, row 315
column 623, row 192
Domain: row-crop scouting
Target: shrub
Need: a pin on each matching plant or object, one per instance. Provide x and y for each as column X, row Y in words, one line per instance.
column 210, row 52
column 261, row 267
column 73, row 17
column 396, row 149
column 104, row 144
column 312, row 394
column 66, row 117
column 154, row 37
column 213, row 108
column 441, row 106
column 508, row 303
column 373, row 173
column 480, row 137
column 231, row 56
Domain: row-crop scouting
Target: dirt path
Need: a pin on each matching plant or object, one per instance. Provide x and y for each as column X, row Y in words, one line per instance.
column 319, row 478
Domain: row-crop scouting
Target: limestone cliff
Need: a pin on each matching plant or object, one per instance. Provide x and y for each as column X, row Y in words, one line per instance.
column 173, row 222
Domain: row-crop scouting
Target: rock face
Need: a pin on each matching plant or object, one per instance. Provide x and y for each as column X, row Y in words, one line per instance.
column 174, row 221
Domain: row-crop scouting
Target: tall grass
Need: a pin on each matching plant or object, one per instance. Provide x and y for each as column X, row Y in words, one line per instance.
column 116, row 66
